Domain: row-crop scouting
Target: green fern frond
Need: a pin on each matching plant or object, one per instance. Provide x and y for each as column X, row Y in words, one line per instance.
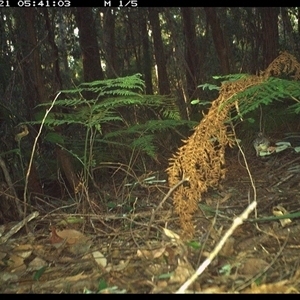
column 115, row 102
column 273, row 89
column 65, row 102
column 231, row 77
column 86, row 117
column 165, row 105
column 145, row 144
column 150, row 126
column 119, row 92
column 125, row 83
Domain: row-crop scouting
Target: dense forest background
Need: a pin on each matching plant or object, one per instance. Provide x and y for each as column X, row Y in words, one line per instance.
column 46, row 50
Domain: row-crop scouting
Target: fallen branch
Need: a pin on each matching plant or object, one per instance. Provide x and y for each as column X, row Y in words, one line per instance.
column 17, row 227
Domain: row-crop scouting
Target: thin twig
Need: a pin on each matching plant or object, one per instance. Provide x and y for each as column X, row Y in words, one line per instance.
column 11, row 187
column 236, row 222
column 18, row 226
column 32, row 155
column 171, row 190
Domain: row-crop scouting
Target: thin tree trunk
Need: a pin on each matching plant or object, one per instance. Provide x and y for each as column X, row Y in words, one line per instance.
column 57, row 81
column 288, row 29
column 298, row 19
column 163, row 81
column 31, row 68
column 89, row 45
column 218, row 38
column 109, row 43
column 146, row 61
column 191, row 51
column 62, row 40
column 180, row 63
column 269, row 16
column 64, row 159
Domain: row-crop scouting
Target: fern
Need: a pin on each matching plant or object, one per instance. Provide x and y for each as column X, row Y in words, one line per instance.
column 142, row 135
column 273, row 89
column 230, row 77
column 145, row 143
column 85, row 117
column 150, row 126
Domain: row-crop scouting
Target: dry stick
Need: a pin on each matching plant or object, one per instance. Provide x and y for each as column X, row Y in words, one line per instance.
column 236, row 222
column 11, row 187
column 18, row 226
column 171, row 190
column 32, row 154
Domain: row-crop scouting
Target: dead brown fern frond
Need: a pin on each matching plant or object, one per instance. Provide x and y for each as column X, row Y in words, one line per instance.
column 286, row 64
column 202, row 158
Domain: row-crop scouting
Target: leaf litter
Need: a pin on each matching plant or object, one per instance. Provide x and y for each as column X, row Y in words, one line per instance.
column 118, row 253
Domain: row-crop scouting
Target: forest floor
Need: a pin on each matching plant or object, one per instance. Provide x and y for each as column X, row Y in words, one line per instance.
column 128, row 246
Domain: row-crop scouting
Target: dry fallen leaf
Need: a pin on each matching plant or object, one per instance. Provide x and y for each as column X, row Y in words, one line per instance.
column 23, row 251
column 36, row 264
column 70, row 236
column 171, row 234
column 252, row 266
column 228, row 248
column 151, row 254
column 121, row 266
column 100, row 259
column 271, row 288
column 183, row 271
column 280, row 211
column 55, row 239
column 16, row 264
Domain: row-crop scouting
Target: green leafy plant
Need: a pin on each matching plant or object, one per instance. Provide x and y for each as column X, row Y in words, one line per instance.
column 273, row 89
column 265, row 93
column 113, row 104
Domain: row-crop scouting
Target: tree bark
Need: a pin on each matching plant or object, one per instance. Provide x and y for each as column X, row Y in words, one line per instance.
column 89, row 45
column 109, row 43
column 146, row 61
column 31, row 68
column 64, row 159
column 56, row 79
column 269, row 16
column 288, row 29
column 191, row 51
column 218, row 38
column 162, row 76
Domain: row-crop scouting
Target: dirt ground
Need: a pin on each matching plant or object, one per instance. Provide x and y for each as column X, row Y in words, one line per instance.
column 127, row 243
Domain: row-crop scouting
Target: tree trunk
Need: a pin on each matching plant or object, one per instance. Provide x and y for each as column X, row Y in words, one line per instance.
column 218, row 38
column 31, row 68
column 109, row 43
column 35, row 89
column 255, row 39
column 269, row 16
column 162, row 76
column 146, row 61
column 288, row 30
column 61, row 39
column 64, row 159
column 177, row 55
column 56, row 79
column 191, row 51
column 298, row 19
column 89, row 45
